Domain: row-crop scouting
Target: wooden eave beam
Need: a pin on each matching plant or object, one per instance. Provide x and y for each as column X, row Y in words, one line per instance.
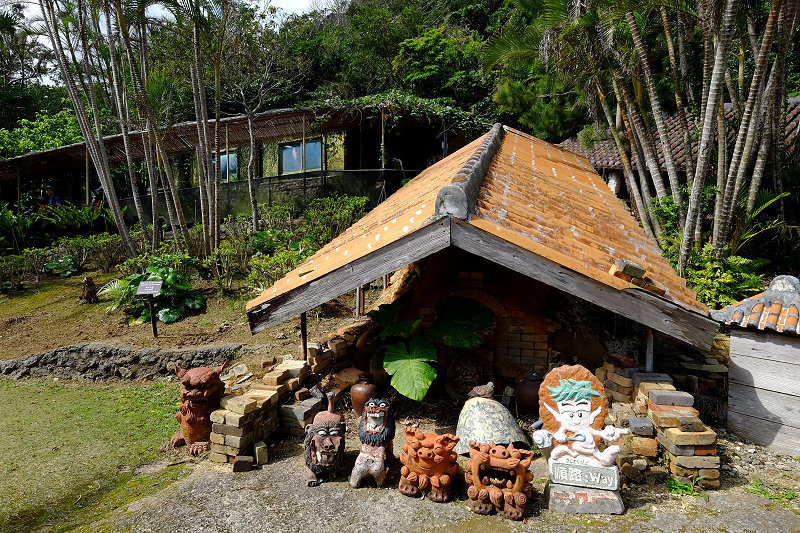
column 636, row 304
column 413, row 247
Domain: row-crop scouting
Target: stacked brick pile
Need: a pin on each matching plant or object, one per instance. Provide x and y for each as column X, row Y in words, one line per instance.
column 242, row 422
column 616, row 374
column 334, row 353
column 287, row 376
column 634, row 273
column 639, row 460
column 295, row 417
column 690, row 445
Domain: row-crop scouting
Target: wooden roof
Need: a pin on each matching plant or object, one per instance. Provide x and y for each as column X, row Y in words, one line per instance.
column 513, row 199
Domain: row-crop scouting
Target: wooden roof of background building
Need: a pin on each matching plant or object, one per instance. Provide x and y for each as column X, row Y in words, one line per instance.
column 775, row 309
column 517, row 201
column 605, row 156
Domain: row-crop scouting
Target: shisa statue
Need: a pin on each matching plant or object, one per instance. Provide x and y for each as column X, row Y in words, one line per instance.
column 583, row 478
column 201, row 390
column 324, row 443
column 499, row 479
column 376, row 431
column 429, row 465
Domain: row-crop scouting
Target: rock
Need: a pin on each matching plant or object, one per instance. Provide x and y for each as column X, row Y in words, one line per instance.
column 243, row 463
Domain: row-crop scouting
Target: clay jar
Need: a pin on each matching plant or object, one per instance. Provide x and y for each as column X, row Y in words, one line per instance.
column 527, row 392
column 363, row 391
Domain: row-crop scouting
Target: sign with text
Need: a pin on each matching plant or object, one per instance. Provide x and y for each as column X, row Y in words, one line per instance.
column 149, row 287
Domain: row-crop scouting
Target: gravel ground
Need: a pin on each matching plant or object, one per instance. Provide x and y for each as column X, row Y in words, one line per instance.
column 274, row 498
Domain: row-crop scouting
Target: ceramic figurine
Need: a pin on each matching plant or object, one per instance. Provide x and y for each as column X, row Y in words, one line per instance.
column 201, row 390
column 577, row 409
column 376, row 431
column 429, row 465
column 486, row 420
column 324, row 443
column 499, row 479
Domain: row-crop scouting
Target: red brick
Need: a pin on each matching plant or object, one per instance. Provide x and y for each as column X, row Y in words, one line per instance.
column 541, row 346
column 709, row 473
column 542, row 353
column 686, row 438
column 711, row 449
column 645, row 446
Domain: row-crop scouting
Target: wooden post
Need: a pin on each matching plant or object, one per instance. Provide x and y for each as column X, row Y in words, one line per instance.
column 359, row 300
column 304, row 335
column 88, row 197
column 387, row 280
column 19, row 193
column 648, row 354
column 153, row 317
column 383, row 139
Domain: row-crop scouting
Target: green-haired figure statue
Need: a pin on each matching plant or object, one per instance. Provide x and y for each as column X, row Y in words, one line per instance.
column 574, row 401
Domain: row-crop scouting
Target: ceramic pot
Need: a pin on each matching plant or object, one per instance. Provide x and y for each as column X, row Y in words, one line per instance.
column 527, row 392
column 363, row 391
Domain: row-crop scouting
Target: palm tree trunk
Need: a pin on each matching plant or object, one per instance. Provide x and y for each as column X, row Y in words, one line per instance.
column 645, row 141
column 683, row 58
column 722, row 165
column 251, row 165
column 152, row 175
column 676, row 84
column 203, row 136
column 123, row 124
column 658, row 117
column 201, row 163
column 746, row 136
column 711, row 105
column 218, row 166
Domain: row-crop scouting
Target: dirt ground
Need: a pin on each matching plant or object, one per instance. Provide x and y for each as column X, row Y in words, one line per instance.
column 47, row 315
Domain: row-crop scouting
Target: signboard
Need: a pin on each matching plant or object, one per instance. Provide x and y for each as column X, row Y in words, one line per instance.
column 149, row 287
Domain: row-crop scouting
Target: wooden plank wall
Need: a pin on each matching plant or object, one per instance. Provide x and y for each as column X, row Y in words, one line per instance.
column 764, row 389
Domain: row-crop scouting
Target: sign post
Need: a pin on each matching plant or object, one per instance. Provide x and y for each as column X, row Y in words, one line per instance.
column 151, row 288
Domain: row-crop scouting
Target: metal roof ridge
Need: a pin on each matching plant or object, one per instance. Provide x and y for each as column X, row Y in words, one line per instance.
column 458, row 198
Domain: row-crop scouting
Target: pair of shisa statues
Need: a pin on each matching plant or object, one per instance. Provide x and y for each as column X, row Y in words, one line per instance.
column 573, row 409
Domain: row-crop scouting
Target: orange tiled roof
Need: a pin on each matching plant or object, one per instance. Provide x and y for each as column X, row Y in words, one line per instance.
column 775, row 309
column 538, row 197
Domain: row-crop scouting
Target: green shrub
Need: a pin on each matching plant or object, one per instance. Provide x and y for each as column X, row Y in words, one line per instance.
column 11, row 272
column 63, row 266
column 17, row 232
column 276, row 217
column 167, row 255
column 723, row 283
column 175, row 300
column 325, row 218
column 266, row 270
column 78, row 248
column 34, row 261
column 107, row 251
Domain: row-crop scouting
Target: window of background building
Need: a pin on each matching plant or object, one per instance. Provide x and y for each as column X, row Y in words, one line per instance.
column 291, row 157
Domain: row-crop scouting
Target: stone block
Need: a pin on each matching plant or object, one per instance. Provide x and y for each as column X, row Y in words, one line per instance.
column 302, row 394
column 674, row 449
column 568, row 471
column 654, row 286
column 706, row 450
column 658, row 407
column 671, row 397
column 261, row 453
column 681, row 471
column 641, row 426
column 217, row 438
column 301, row 411
column 709, row 484
column 622, row 413
column 238, row 420
column 279, row 389
column 293, row 384
column 325, row 363
column 631, row 268
column 295, row 368
column 239, row 370
column 289, row 431
column 617, row 273
column 218, row 457
column 337, row 345
column 609, row 367
column 640, row 464
column 601, row 374
column 225, row 450
column 667, row 419
column 239, row 441
column 639, row 282
column 264, row 398
column 619, row 397
column 690, row 423
column 223, row 429
column 218, row 416
column 708, row 473
column 645, row 446
column 572, row 500
column 620, row 380
column 276, row 377
column 267, row 360
column 694, row 438
column 238, row 404
column 243, row 463
column 651, row 377
column 632, row 473
column 696, row 461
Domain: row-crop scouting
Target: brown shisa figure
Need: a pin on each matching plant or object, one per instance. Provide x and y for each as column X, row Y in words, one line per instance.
column 324, row 443
column 376, row 431
column 499, row 479
column 429, row 464
column 201, row 390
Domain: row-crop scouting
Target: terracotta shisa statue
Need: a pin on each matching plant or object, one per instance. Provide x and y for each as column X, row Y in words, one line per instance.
column 499, row 479
column 324, row 443
column 376, row 431
column 201, row 390
column 429, row 465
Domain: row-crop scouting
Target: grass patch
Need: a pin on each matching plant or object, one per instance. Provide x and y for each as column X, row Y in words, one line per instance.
column 772, row 492
column 67, row 446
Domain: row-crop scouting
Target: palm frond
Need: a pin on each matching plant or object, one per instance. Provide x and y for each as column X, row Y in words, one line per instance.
column 512, row 44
